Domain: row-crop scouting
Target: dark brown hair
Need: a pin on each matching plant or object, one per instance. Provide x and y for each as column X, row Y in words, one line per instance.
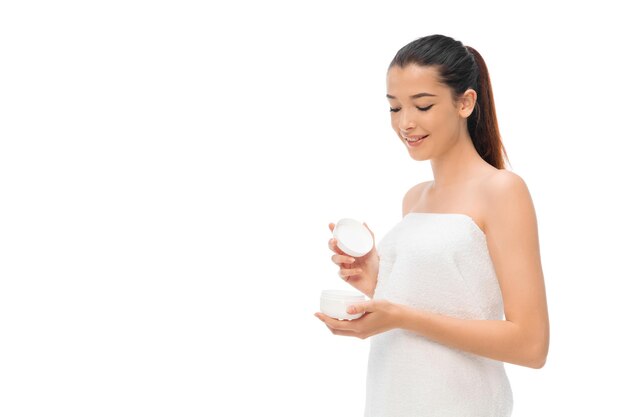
column 461, row 67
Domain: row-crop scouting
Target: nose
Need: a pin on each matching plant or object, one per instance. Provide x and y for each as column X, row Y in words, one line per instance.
column 406, row 122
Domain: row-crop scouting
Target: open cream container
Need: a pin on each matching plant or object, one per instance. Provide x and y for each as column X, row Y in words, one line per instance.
column 352, row 237
column 334, row 303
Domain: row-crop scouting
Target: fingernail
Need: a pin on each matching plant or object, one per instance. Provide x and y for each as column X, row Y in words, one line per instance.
column 350, row 309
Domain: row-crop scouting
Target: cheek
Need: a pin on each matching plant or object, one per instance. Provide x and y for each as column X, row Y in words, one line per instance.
column 436, row 123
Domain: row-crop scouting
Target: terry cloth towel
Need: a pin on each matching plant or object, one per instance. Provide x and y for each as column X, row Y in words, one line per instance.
column 437, row 262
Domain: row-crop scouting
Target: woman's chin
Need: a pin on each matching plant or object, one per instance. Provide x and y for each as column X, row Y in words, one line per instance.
column 416, row 155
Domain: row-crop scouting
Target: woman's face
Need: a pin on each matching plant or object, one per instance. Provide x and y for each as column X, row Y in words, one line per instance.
column 419, row 106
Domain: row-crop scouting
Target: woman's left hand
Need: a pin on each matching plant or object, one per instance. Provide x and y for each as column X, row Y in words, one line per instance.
column 380, row 315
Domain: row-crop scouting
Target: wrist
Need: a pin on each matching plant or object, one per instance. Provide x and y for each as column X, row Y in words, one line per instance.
column 401, row 312
column 370, row 292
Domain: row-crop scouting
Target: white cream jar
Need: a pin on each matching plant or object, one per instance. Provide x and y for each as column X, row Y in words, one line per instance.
column 334, row 303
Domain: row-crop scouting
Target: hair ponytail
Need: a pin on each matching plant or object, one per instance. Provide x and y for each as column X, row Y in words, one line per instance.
column 483, row 123
column 461, row 67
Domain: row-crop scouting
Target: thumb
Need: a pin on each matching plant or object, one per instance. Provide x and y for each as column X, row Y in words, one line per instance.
column 367, row 306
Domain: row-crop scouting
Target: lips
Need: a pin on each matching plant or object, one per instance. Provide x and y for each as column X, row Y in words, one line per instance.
column 415, row 140
column 414, row 137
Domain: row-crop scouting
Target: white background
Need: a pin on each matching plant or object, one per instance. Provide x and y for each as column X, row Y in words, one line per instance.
column 168, row 171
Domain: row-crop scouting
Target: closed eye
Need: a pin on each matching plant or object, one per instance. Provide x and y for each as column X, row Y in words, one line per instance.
column 397, row 109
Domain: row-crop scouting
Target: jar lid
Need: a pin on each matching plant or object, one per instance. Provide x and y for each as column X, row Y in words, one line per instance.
column 353, row 237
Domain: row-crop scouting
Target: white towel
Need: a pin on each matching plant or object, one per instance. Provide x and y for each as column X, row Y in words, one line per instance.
column 438, row 262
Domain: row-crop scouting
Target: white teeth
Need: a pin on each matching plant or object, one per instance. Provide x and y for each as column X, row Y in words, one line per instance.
column 415, row 140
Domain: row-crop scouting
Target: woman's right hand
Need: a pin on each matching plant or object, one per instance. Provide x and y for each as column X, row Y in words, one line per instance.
column 361, row 272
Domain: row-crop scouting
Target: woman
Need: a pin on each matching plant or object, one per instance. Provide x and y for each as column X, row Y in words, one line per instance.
column 465, row 254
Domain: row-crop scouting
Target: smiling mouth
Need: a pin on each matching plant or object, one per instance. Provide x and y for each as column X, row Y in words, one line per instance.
column 411, row 140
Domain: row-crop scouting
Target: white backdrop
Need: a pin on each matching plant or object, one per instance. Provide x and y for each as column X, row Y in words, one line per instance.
column 168, row 171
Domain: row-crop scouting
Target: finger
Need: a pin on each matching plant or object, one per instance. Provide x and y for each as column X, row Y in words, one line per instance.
column 342, row 259
column 346, row 278
column 341, row 332
column 342, row 277
column 331, row 226
column 368, row 229
column 367, row 306
column 332, row 244
column 347, row 273
column 336, row 324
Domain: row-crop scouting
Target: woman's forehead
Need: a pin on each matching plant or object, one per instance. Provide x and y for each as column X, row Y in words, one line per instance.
column 410, row 79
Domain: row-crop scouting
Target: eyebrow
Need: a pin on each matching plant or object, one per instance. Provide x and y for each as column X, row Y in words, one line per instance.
column 418, row 95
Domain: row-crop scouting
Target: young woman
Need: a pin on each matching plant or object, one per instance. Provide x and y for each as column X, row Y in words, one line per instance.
column 464, row 256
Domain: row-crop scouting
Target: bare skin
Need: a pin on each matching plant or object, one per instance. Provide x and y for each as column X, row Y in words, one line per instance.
column 500, row 204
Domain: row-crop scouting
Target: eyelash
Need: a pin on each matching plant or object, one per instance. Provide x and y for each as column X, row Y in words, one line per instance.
column 422, row 109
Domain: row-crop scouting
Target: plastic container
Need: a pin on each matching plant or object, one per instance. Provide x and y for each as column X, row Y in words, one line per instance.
column 352, row 237
column 334, row 303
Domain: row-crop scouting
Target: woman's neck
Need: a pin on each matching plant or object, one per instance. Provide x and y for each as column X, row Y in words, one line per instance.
column 460, row 164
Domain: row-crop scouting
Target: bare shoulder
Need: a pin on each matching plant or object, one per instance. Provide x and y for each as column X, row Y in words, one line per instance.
column 507, row 197
column 505, row 184
column 412, row 196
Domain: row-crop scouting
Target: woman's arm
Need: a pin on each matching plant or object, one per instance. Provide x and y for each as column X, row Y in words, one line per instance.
column 512, row 238
column 523, row 337
column 496, row 339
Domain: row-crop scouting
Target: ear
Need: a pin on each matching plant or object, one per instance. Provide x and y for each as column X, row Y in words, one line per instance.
column 467, row 103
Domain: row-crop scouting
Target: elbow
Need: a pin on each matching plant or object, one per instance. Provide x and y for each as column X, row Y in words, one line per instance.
column 538, row 356
column 536, row 348
column 538, row 362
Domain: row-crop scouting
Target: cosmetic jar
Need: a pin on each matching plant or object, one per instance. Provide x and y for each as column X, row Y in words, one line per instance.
column 352, row 237
column 334, row 303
